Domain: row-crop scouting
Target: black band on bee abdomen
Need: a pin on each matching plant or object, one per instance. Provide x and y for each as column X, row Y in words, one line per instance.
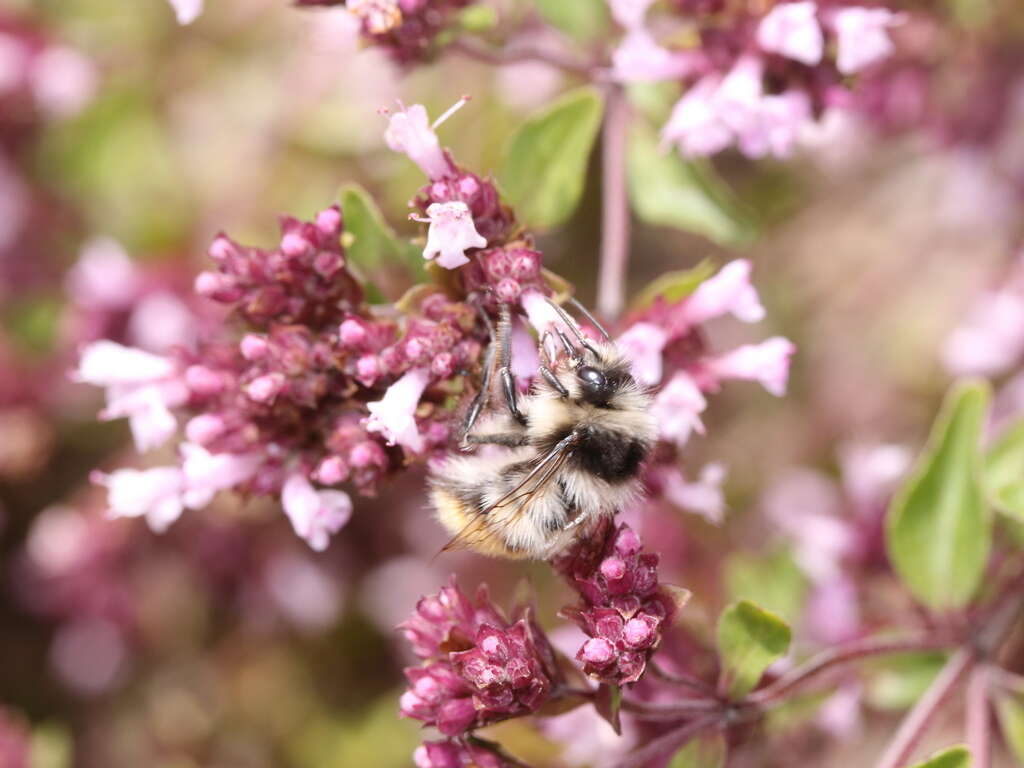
column 612, row 456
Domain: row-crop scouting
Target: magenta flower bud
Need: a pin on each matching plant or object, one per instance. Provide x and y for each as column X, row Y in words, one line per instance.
column 332, row 470
column 455, row 716
column 613, row 569
column 221, row 248
column 265, row 388
column 640, row 632
column 498, row 263
column 352, row 333
column 214, row 285
column 415, row 350
column 368, row 369
column 437, row 754
column 203, row 381
column 507, row 290
column 204, row 428
column 525, row 264
column 443, row 365
column 328, row 221
column 597, row 651
column 468, row 186
column 327, row 264
column 627, row 542
column 367, row 454
column 253, row 346
column 293, row 244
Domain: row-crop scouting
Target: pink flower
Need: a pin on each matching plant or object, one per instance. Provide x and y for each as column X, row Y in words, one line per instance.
column 103, row 277
column 703, row 497
column 991, row 340
column 140, row 386
column 643, row 344
column 677, row 408
column 728, row 292
column 525, row 358
column 379, row 16
column 187, row 11
column 833, row 615
column 409, row 131
column 738, row 98
column 792, row 30
column 870, row 472
column 154, row 493
column 767, row 363
column 315, row 515
column 451, row 232
column 629, row 13
column 840, row 715
column 394, row 416
column 696, row 126
column 776, row 126
column 207, row 473
column 862, row 37
column 160, row 322
column 639, row 59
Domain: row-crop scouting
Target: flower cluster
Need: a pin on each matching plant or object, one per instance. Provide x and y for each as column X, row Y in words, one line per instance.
column 407, row 30
column 755, row 80
column 477, row 667
column 453, row 754
column 624, row 609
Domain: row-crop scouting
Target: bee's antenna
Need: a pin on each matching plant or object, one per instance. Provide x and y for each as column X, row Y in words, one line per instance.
column 587, row 314
column 572, row 327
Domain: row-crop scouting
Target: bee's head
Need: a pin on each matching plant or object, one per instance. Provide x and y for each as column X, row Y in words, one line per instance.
column 599, row 383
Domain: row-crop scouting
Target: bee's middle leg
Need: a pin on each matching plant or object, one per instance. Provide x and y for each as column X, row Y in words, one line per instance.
column 508, row 381
column 508, row 439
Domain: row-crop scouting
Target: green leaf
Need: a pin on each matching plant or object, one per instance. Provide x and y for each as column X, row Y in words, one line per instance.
column 546, row 158
column 749, row 640
column 579, row 19
column 373, row 245
column 1004, row 471
column 939, row 530
column 706, row 750
column 902, row 679
column 773, row 581
column 478, row 18
column 668, row 191
column 1010, row 711
column 673, row 286
column 954, row 757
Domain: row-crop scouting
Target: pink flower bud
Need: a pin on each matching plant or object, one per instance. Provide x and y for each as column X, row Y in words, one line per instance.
column 332, row 470
column 221, row 248
column 203, row 381
column 469, row 186
column 328, row 221
column 443, row 365
column 455, row 716
column 294, row 244
column 640, row 632
column 215, row 285
column 265, row 388
column 613, row 569
column 367, row 454
column 627, row 542
column 352, row 333
column 368, row 369
column 205, row 428
column 253, row 347
column 598, row 651
column 507, row 290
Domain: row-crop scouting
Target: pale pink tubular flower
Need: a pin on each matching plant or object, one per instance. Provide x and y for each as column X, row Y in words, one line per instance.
column 792, row 30
column 394, row 416
column 450, row 234
column 696, row 126
column 728, row 292
column 540, row 314
column 642, row 344
column 186, row 11
column 139, row 385
column 151, row 493
column 703, row 497
column 776, row 126
column 315, row 515
column 409, row 131
column 738, row 98
column 862, row 36
column 677, row 408
column 207, row 473
column 991, row 340
column 629, row 13
column 767, row 363
column 639, row 59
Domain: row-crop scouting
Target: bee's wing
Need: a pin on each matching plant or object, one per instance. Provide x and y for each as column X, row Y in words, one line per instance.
column 535, row 481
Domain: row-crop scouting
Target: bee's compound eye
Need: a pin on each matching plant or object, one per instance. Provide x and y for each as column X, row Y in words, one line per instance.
column 593, row 382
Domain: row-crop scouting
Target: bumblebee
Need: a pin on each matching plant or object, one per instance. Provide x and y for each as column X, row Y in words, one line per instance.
column 570, row 450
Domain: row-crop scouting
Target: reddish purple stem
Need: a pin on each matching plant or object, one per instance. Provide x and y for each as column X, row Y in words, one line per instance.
column 611, row 284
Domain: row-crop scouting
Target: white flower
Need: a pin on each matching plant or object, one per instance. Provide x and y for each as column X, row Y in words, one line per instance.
column 207, row 473
column 451, row 232
column 728, row 292
column 394, row 415
column 776, row 126
column 315, row 515
column 639, row 59
column 186, row 11
column 703, row 497
column 767, row 363
column 409, row 131
column 677, row 408
column 154, row 493
column 862, row 37
column 139, row 385
column 792, row 30
column 643, row 344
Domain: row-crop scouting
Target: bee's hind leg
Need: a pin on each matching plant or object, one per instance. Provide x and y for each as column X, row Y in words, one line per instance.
column 508, row 381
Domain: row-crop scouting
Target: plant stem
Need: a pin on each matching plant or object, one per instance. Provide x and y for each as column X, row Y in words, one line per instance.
column 676, row 710
column 978, row 718
column 611, row 285
column 669, row 742
column 854, row 651
column 915, row 723
column 681, row 679
column 517, row 54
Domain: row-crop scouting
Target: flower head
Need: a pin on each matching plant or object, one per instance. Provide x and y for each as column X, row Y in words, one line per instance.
column 315, row 515
column 451, row 234
column 696, row 125
column 378, row 16
column 639, row 59
column 792, row 30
